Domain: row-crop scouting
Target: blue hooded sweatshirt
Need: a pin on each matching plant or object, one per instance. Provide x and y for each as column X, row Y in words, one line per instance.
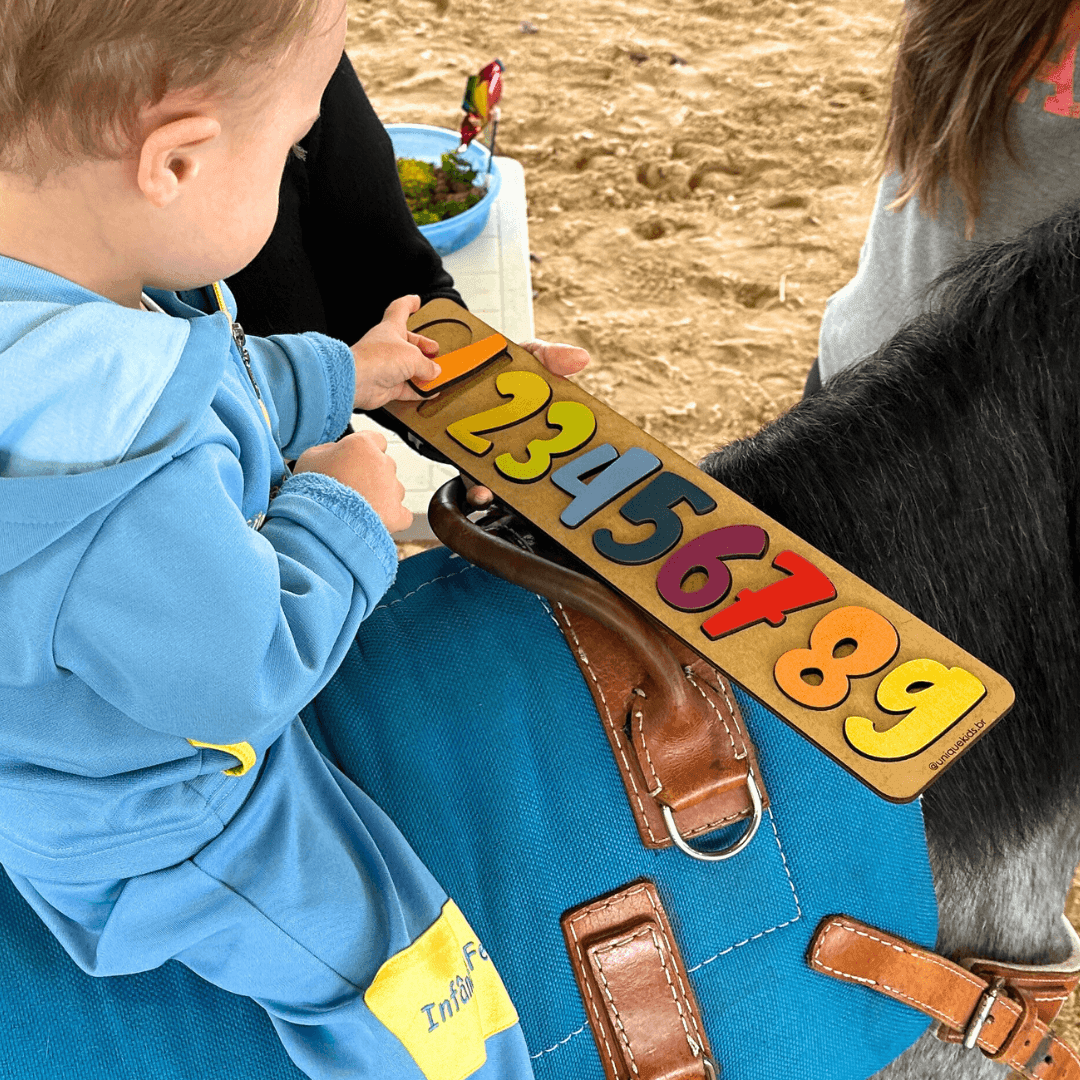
column 169, row 600
column 140, row 607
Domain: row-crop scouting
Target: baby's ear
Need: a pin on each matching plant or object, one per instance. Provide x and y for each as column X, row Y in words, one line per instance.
column 169, row 156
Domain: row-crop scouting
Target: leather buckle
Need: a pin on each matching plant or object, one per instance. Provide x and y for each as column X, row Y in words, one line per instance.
column 1021, row 1031
column 982, row 1013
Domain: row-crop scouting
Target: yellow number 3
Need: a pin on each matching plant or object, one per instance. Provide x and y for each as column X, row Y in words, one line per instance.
column 936, row 696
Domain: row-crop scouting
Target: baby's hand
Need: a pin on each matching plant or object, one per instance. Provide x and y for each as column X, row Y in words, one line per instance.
column 389, row 354
column 360, row 462
column 559, row 360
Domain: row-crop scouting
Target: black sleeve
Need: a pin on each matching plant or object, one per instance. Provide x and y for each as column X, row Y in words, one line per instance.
column 345, row 243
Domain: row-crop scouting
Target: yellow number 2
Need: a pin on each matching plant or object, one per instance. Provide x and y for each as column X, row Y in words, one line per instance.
column 933, row 696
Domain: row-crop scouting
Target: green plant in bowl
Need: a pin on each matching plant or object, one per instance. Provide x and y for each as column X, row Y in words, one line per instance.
column 437, row 192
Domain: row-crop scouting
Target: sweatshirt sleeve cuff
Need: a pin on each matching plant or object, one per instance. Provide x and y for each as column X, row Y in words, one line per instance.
column 339, row 516
column 340, row 370
column 325, row 378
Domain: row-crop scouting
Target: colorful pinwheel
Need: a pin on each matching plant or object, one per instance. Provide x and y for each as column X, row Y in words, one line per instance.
column 481, row 104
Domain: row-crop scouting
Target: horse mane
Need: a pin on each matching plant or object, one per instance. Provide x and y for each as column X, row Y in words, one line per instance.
column 942, row 470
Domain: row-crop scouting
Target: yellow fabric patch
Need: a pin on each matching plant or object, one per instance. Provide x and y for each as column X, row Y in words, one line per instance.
column 442, row 997
column 242, row 751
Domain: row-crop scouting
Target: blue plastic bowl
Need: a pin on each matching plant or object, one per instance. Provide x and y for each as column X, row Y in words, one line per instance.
column 429, row 144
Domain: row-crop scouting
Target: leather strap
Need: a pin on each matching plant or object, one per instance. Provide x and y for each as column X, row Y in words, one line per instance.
column 674, row 728
column 1048, row 985
column 639, row 1001
column 1003, row 1014
column 694, row 757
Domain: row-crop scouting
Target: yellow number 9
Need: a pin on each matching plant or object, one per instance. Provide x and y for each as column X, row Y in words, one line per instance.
column 937, row 698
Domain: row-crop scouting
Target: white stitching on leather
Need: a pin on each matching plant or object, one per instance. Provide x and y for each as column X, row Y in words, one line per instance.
column 695, row 1047
column 772, row 821
column 654, row 791
column 935, row 961
column 682, row 987
column 607, row 712
column 723, row 687
column 592, row 1002
column 709, row 826
column 607, row 991
column 581, row 959
column 723, row 719
column 686, row 996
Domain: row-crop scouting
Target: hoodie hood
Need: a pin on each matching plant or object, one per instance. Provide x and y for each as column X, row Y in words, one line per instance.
column 96, row 399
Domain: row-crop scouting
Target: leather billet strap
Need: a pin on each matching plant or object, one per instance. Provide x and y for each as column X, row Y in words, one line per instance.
column 639, row 1001
column 1004, row 1014
column 692, row 755
column 1047, row 985
column 682, row 750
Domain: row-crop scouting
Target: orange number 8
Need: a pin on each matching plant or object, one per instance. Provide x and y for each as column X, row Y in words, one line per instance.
column 875, row 642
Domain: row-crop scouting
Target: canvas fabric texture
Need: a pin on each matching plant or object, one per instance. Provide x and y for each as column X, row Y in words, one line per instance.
column 460, row 710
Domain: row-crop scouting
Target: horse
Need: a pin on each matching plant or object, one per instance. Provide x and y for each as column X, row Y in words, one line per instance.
column 943, row 470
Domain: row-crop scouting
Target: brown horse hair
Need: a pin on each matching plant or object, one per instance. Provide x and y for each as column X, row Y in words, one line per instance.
column 958, row 66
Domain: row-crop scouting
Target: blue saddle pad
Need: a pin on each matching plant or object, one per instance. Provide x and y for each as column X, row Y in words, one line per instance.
column 461, row 711
column 463, row 714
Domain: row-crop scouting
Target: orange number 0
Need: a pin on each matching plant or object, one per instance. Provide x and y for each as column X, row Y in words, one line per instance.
column 875, row 642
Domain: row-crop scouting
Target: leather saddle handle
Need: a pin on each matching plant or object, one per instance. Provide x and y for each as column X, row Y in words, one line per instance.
column 481, row 544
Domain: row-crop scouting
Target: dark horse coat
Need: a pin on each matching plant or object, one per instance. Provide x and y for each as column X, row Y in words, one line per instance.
column 944, row 472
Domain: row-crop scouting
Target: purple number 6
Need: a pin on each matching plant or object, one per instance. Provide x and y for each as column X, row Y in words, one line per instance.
column 707, row 553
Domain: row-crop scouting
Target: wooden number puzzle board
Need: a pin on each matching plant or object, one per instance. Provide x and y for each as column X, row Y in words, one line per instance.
column 879, row 691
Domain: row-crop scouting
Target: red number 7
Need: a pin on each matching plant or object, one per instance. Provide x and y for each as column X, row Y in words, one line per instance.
column 805, row 586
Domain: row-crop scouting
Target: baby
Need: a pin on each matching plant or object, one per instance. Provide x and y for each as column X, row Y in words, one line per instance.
column 170, row 596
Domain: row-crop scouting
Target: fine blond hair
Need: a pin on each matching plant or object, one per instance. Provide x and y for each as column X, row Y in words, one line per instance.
column 76, row 75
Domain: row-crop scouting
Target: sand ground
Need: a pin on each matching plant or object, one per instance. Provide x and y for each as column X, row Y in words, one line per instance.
column 699, row 175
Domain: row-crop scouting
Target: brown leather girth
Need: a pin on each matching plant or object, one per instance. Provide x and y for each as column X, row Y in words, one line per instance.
column 1004, row 1009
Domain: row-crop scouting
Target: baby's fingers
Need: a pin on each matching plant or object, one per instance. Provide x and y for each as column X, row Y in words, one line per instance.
column 424, row 344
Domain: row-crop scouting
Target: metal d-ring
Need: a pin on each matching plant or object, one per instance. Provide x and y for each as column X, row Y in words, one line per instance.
column 727, row 853
column 711, row 1072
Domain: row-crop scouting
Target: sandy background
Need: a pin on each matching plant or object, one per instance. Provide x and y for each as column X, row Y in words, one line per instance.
column 699, row 176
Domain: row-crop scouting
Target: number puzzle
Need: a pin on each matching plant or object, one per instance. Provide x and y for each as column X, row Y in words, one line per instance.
column 883, row 694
